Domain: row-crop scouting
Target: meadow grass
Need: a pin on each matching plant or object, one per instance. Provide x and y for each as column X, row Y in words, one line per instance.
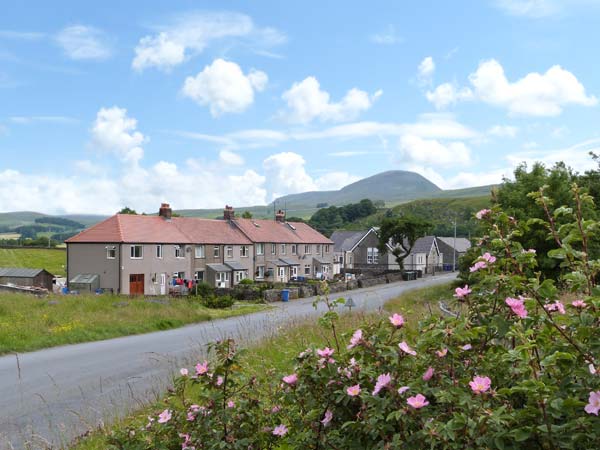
column 54, row 261
column 276, row 353
column 29, row 323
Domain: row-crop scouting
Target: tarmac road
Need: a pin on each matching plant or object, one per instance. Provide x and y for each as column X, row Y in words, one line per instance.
column 49, row 397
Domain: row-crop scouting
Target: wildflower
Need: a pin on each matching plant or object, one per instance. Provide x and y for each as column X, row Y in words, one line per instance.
column 327, row 418
column 275, row 409
column 478, row 265
column 406, row 349
column 556, row 306
column 280, row 430
column 397, row 320
column 531, row 250
column 325, row 353
column 482, row 213
column 184, row 372
column 202, row 369
column 579, row 303
column 164, row 416
column 593, row 370
column 441, row 353
column 220, row 381
column 517, row 306
column 290, row 379
column 403, row 389
column 150, row 421
column 480, row 385
column 428, row 374
column 352, row 362
column 382, row 381
column 593, row 405
column 231, row 404
column 489, row 258
column 353, row 391
column 466, row 347
column 462, row 292
column 418, row 401
column 356, row 339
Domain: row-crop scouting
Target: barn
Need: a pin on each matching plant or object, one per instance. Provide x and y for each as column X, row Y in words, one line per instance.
column 26, row 277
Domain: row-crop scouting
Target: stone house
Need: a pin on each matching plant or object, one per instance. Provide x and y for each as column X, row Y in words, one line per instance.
column 359, row 250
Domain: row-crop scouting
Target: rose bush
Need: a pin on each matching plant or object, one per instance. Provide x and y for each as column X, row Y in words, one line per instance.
column 518, row 367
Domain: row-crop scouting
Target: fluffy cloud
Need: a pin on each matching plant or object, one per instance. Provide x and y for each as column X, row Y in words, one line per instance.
column 82, row 42
column 333, row 181
column 425, row 70
column 230, row 158
column 530, row 8
column 188, row 35
column 306, row 102
column 503, row 131
column 113, row 131
column 533, row 95
column 386, row 37
column 431, row 152
column 224, row 88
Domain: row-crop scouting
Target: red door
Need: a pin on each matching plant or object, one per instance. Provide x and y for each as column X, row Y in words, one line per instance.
column 136, row 284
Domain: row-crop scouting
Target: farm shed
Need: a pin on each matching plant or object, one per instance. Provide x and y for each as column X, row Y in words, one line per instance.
column 26, row 277
column 85, row 282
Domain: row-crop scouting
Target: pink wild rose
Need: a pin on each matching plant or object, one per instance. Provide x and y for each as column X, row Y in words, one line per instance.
column 353, row 391
column 382, row 381
column 480, row 384
column 517, row 306
column 231, row 404
column 325, row 353
column 280, row 430
column 397, row 320
column 202, row 369
column 489, row 258
column 355, row 339
column 164, row 416
column 477, row 266
column 441, row 353
column 418, row 401
column 290, row 379
column 579, row 303
column 466, row 347
column 428, row 374
column 327, row 418
column 482, row 213
column 462, row 292
column 220, row 380
column 403, row 389
column 406, row 349
column 184, row 372
column 593, row 405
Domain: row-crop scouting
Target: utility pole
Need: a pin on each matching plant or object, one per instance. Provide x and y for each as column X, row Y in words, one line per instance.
column 454, row 248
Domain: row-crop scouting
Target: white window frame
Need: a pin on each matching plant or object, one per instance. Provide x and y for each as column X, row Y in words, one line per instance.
column 111, row 249
column 158, row 251
column 179, row 252
column 294, row 271
column 372, row 255
column 261, row 272
column 229, row 251
column 240, row 275
column 318, row 249
column 307, row 269
column 216, row 251
column 199, row 252
column 244, row 251
column 307, row 249
column 281, row 272
column 222, row 276
column 260, row 249
column 273, row 249
column 326, row 248
column 294, row 249
column 282, row 248
column 132, row 251
column 197, row 277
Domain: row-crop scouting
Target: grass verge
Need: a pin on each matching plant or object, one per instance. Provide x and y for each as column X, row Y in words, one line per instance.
column 54, row 261
column 28, row 323
column 276, row 353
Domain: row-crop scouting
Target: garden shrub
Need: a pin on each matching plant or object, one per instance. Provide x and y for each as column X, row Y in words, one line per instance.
column 246, row 281
column 218, row 301
column 518, row 368
column 202, row 290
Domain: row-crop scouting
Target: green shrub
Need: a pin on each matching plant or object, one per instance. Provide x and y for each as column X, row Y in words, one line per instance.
column 202, row 290
column 218, row 301
column 246, row 281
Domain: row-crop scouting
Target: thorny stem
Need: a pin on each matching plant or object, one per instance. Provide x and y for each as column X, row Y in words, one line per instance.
column 584, row 240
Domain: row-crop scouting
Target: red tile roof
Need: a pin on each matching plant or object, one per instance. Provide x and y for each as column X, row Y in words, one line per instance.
column 210, row 231
column 262, row 230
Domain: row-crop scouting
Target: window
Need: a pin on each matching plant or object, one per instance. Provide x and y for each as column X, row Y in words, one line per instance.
column 216, row 251
column 318, row 249
column 294, row 249
column 260, row 249
column 294, row 271
column 372, row 255
column 307, row 249
column 199, row 251
column 179, row 275
column 222, row 276
column 282, row 272
column 199, row 276
column 273, row 249
column 260, row 272
column 307, row 269
column 178, row 251
column 159, row 251
column 244, row 251
column 327, row 248
column 240, row 275
column 136, row 252
column 283, row 249
column 230, row 251
column 111, row 252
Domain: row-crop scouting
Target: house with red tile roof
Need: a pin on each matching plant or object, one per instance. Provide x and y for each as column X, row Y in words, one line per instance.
column 139, row 254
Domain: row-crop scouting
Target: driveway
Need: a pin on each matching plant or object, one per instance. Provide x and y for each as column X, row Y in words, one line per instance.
column 49, row 397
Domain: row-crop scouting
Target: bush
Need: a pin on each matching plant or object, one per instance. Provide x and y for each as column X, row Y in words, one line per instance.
column 218, row 301
column 246, row 281
column 202, row 290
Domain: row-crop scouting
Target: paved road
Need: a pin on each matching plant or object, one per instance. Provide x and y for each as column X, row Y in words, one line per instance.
column 50, row 396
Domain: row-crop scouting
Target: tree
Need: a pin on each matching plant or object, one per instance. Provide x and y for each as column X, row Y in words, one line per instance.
column 127, row 210
column 402, row 233
column 247, row 215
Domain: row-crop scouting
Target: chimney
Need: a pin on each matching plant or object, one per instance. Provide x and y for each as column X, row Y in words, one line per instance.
column 280, row 216
column 165, row 211
column 228, row 213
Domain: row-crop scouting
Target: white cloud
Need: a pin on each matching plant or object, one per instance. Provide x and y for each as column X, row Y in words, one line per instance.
column 576, row 156
column 533, row 95
column 430, row 152
column 447, row 94
column 425, row 70
column 306, row 102
column 25, row 120
column 188, row 35
column 332, row 181
column 224, row 88
column 83, row 42
column 285, row 174
column 114, row 132
column 230, row 158
column 504, row 131
column 530, row 8
column 386, row 37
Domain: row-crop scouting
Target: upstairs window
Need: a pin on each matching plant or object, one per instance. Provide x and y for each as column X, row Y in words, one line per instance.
column 230, row 251
column 283, row 249
column 178, row 251
column 136, row 252
column 327, row 248
column 244, row 251
column 216, row 251
column 372, row 255
column 273, row 249
column 307, row 249
column 159, row 251
column 260, row 249
column 318, row 249
column 199, row 251
column 111, row 252
column 294, row 249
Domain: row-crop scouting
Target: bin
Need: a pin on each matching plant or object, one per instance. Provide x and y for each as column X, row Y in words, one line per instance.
column 285, row 295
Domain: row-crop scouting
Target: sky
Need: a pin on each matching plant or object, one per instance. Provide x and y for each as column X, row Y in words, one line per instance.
column 201, row 104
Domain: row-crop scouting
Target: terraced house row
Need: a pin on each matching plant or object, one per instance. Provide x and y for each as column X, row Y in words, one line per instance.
column 138, row 254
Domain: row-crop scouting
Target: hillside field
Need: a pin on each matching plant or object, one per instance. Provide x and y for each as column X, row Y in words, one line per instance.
column 54, row 261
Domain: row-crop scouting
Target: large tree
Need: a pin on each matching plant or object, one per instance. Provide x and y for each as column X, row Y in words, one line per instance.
column 401, row 233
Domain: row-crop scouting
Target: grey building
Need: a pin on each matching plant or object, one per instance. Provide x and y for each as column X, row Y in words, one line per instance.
column 26, row 277
column 359, row 250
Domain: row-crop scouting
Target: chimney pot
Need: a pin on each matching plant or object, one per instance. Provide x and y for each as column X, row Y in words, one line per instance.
column 228, row 213
column 165, row 211
column 280, row 216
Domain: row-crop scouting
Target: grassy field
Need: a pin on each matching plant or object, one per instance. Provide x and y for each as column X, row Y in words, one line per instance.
column 29, row 323
column 279, row 350
column 54, row 261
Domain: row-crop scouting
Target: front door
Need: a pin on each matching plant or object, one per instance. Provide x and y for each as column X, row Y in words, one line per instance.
column 163, row 284
column 136, row 284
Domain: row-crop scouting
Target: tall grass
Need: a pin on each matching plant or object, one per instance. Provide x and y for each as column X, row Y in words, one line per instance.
column 54, row 261
column 29, row 323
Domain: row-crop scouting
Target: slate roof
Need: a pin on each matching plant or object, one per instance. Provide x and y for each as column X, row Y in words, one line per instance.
column 321, row 260
column 18, row 272
column 219, row 267
column 290, row 262
column 345, row 240
column 462, row 244
column 235, row 265
column 264, row 230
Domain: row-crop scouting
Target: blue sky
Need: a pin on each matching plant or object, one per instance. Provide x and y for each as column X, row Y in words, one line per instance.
column 206, row 103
